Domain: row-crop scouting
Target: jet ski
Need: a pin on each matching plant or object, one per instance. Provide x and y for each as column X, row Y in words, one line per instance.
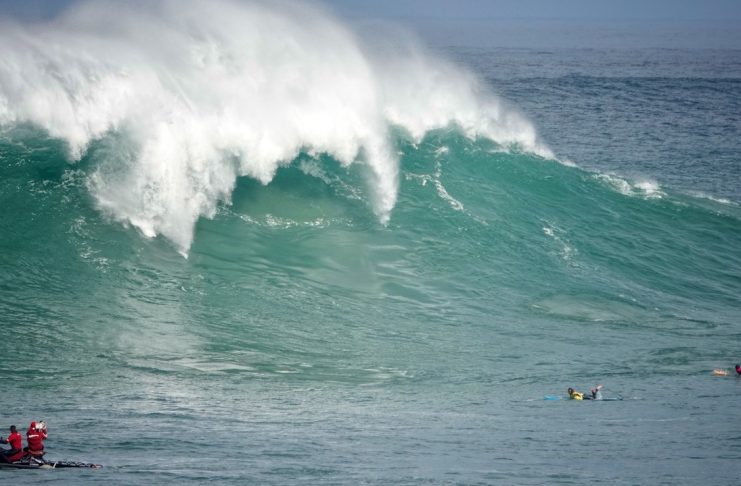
column 32, row 459
column 29, row 462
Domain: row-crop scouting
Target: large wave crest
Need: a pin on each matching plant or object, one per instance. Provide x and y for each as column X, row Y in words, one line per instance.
column 198, row 93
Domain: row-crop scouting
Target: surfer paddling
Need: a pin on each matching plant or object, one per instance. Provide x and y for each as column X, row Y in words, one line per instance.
column 722, row 372
column 594, row 394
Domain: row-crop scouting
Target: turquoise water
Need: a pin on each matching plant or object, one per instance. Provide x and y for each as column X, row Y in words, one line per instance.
column 218, row 314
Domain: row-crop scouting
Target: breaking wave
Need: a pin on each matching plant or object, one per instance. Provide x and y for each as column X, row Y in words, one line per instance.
column 185, row 97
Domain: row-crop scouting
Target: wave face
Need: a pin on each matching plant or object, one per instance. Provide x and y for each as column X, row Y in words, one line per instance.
column 475, row 228
column 188, row 96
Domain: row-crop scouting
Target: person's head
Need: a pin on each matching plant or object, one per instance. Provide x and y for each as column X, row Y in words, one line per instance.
column 12, row 429
column 738, row 369
column 570, row 390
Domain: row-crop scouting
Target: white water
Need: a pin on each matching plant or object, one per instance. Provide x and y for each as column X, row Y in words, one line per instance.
column 190, row 95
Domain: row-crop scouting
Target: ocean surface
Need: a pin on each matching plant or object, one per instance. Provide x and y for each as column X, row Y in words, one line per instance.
column 252, row 245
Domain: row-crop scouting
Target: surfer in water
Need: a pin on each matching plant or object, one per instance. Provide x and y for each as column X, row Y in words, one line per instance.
column 722, row 372
column 594, row 394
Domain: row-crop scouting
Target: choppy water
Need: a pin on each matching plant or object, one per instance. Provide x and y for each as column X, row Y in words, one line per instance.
column 386, row 270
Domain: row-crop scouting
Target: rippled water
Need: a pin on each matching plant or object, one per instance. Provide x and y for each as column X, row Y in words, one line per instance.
column 303, row 341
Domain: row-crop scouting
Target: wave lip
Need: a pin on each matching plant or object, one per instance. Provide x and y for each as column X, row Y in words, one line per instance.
column 200, row 93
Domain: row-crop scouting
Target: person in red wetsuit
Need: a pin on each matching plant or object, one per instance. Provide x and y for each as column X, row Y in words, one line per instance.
column 35, row 437
column 16, row 446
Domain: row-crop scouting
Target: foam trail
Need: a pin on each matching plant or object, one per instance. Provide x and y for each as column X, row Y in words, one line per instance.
column 190, row 95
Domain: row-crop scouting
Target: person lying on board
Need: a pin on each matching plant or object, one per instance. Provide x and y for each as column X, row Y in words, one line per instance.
column 722, row 372
column 594, row 394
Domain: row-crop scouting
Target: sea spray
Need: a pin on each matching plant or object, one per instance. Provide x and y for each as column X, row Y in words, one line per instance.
column 189, row 96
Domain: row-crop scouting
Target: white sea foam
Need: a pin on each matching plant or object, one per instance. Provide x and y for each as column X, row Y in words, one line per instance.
column 719, row 200
column 199, row 93
column 650, row 189
column 643, row 188
column 558, row 235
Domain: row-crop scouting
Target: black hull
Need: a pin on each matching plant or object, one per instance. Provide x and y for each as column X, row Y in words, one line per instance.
column 48, row 465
